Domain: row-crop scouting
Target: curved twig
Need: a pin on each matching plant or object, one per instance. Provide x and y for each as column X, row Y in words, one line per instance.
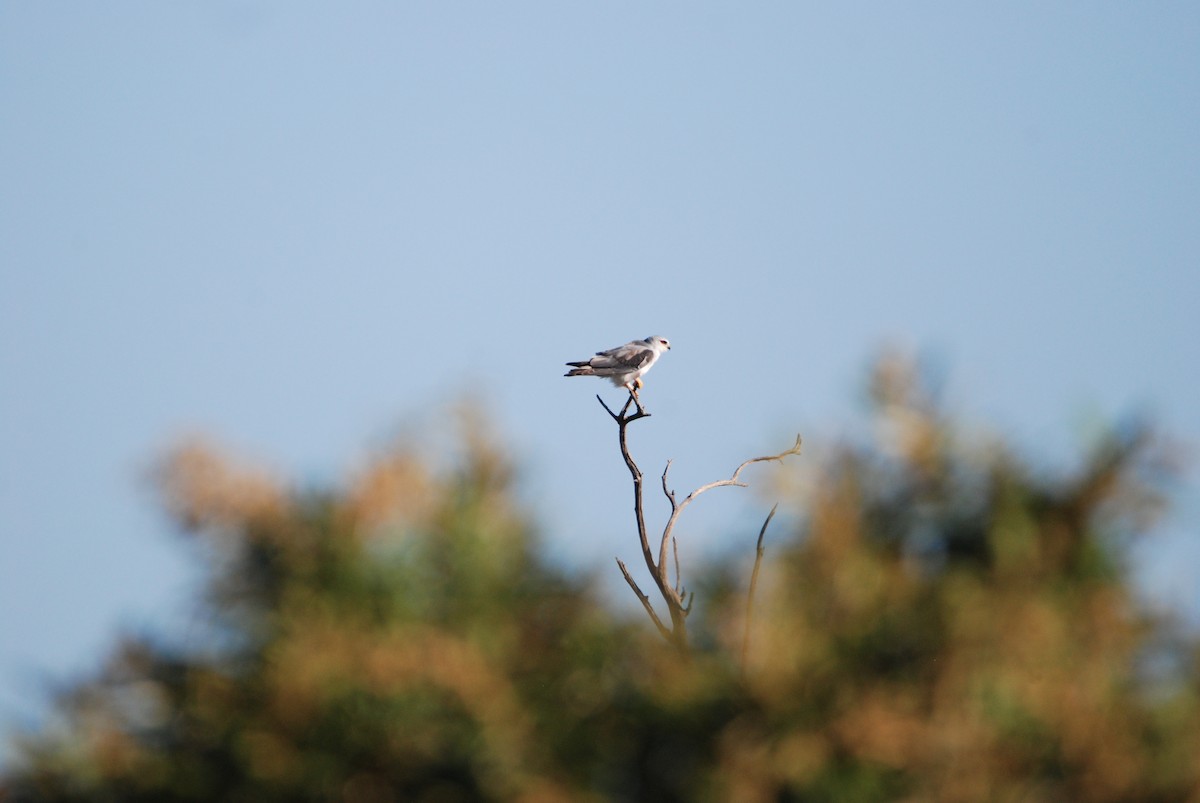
column 758, row 556
column 667, row 491
column 676, row 510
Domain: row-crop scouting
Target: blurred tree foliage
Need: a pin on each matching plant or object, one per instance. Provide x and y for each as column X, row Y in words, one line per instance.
column 941, row 623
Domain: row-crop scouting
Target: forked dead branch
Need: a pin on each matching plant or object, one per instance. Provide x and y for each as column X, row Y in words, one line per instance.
column 675, row 595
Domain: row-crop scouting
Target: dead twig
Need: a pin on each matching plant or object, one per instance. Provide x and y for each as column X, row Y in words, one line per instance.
column 645, row 601
column 673, row 594
column 677, row 509
column 758, row 556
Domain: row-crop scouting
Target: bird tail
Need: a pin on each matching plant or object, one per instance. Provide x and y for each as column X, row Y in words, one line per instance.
column 580, row 369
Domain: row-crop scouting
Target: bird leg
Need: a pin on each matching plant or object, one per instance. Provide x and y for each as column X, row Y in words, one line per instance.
column 633, row 394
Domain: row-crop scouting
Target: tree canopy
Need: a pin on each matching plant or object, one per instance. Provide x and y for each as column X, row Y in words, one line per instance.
column 936, row 620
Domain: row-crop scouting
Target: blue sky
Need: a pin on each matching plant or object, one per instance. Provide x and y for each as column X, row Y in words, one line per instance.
column 305, row 230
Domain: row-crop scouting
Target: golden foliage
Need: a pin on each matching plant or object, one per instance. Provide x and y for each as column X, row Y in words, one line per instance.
column 940, row 624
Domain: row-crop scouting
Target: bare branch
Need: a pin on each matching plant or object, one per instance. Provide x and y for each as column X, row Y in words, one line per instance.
column 666, row 491
column 733, row 480
column 623, row 421
column 645, row 601
column 678, row 576
column 615, row 417
column 677, row 634
column 621, row 418
column 758, row 556
column 673, row 595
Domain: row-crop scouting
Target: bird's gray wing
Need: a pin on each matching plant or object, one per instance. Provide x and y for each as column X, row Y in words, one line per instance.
column 629, row 357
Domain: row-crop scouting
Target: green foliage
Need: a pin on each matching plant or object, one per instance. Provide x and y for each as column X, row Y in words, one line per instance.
column 941, row 623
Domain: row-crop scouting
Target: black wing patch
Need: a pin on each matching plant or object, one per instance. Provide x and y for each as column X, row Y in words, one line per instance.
column 635, row 360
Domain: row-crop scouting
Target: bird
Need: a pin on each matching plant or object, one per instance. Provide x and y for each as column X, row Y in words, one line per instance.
column 624, row 365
